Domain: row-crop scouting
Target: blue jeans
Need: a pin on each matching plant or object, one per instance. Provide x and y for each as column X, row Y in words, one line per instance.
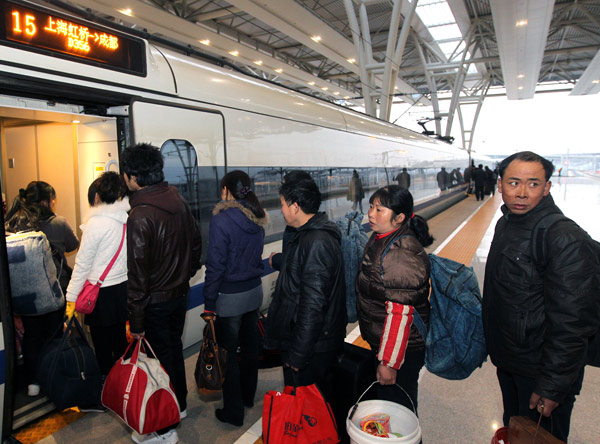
column 241, row 375
column 516, row 391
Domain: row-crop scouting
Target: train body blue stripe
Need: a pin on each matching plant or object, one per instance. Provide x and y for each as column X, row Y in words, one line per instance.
column 196, row 293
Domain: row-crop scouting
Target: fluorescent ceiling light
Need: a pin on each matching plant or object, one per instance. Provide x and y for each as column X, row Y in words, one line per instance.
column 316, row 38
column 521, row 47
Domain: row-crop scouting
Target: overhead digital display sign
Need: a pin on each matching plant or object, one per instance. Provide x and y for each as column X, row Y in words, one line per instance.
column 46, row 31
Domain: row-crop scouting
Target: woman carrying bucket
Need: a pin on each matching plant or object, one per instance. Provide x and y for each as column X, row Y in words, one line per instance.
column 392, row 283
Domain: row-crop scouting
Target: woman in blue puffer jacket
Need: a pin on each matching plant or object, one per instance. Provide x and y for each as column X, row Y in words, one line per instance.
column 233, row 289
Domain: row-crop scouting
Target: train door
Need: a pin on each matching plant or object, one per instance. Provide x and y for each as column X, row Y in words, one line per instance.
column 67, row 150
column 192, row 142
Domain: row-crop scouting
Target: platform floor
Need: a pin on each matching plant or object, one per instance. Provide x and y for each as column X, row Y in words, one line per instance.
column 451, row 412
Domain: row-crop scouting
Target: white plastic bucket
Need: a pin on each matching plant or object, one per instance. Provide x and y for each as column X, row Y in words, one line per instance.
column 402, row 420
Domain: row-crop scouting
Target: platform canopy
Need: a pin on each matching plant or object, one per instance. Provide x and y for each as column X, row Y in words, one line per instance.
column 373, row 53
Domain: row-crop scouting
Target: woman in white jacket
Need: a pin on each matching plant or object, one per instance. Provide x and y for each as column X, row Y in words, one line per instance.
column 102, row 235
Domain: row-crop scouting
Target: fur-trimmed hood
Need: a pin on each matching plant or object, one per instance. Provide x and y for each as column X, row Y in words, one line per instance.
column 228, row 204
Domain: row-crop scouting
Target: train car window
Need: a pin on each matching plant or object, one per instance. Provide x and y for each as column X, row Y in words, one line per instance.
column 197, row 184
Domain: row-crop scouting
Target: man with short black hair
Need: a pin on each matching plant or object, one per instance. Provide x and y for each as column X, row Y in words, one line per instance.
column 539, row 311
column 163, row 253
column 307, row 317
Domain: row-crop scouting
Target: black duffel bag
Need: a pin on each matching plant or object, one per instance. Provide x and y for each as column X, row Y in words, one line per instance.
column 68, row 371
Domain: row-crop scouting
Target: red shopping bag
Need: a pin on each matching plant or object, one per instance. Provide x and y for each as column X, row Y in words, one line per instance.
column 138, row 389
column 318, row 423
column 282, row 413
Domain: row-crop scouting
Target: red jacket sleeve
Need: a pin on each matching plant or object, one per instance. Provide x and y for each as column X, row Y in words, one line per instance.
column 396, row 332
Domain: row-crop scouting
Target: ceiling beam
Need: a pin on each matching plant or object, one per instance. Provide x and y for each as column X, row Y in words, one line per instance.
column 181, row 30
column 521, row 31
column 589, row 82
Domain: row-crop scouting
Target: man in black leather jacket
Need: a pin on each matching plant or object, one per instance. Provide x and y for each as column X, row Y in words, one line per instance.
column 307, row 317
column 163, row 253
column 538, row 317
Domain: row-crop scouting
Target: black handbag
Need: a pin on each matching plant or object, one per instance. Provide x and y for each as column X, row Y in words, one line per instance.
column 212, row 361
column 68, row 371
column 267, row 358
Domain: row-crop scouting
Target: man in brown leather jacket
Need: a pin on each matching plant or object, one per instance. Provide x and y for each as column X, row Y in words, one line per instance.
column 163, row 253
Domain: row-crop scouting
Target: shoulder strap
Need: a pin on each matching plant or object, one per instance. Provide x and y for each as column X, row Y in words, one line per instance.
column 418, row 322
column 112, row 261
column 538, row 244
column 387, row 248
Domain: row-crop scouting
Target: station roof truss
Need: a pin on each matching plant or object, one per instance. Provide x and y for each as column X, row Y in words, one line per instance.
column 364, row 53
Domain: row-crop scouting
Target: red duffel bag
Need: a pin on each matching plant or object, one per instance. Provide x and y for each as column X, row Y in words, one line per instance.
column 138, row 389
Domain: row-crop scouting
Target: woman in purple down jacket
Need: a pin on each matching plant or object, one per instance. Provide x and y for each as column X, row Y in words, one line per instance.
column 233, row 289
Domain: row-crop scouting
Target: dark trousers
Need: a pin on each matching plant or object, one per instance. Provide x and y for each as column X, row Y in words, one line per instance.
column 164, row 326
column 407, row 377
column 516, row 391
column 318, row 371
column 110, row 343
column 241, row 375
column 479, row 192
column 36, row 331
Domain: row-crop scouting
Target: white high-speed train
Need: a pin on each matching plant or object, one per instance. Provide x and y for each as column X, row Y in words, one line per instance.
column 74, row 93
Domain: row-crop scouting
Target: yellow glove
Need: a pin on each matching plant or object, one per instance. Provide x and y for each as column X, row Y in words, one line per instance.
column 70, row 311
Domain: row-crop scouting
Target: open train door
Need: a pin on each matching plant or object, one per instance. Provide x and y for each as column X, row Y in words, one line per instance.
column 192, row 142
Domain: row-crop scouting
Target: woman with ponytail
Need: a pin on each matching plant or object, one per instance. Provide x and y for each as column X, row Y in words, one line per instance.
column 233, row 289
column 33, row 209
column 393, row 283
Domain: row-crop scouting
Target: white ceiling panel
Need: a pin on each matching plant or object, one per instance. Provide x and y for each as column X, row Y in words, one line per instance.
column 521, row 32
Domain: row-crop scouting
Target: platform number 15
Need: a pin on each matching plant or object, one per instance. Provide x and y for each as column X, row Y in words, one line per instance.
column 30, row 28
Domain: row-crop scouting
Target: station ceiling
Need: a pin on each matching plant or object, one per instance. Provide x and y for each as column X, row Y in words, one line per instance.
column 361, row 53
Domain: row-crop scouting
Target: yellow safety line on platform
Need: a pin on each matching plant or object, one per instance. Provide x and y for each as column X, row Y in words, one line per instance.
column 464, row 244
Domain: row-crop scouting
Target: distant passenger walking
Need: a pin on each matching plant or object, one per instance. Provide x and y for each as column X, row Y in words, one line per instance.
column 456, row 176
column 490, row 181
column 539, row 312
column 468, row 174
column 356, row 193
column 403, row 179
column 443, row 179
column 479, row 178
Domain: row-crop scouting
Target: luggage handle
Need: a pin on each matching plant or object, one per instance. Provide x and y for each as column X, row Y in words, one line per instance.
column 369, row 387
column 63, row 341
column 136, row 351
column 216, row 346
